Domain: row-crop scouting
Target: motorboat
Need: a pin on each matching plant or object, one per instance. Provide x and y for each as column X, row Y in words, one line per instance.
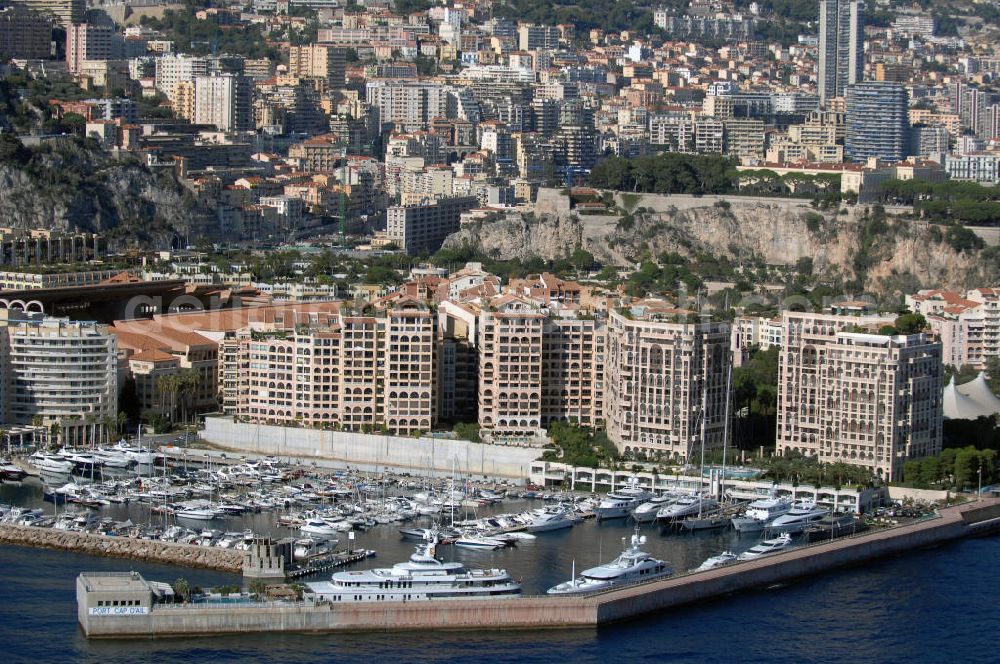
column 197, row 513
column 632, row 566
column 760, row 513
column 422, row 577
column 767, row 547
column 646, row 512
column 114, row 459
column 141, row 456
column 474, row 541
column 51, row 463
column 798, row 518
column 543, row 520
column 686, row 506
column 309, row 547
column 620, row 503
column 11, row 472
column 721, row 560
column 318, row 527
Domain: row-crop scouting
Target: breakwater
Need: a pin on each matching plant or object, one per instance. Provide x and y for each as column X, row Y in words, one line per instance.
column 153, row 551
column 143, row 618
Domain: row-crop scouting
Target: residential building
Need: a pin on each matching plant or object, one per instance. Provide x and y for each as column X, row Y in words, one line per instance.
column 88, row 42
column 858, row 397
column 537, row 37
column 841, row 46
column 59, row 372
column 665, row 381
column 65, row 12
column 318, row 61
column 422, row 228
column 877, row 121
column 223, row 101
column 25, row 34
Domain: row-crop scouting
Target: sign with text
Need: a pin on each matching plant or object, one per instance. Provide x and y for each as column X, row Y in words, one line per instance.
column 119, row 610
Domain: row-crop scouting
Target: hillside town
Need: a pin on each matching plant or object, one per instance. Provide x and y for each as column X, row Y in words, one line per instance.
column 324, row 192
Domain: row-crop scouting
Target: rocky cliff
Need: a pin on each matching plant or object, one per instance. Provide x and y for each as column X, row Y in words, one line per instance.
column 887, row 255
column 68, row 185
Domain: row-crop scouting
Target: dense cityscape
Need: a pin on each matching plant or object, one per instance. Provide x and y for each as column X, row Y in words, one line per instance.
column 276, row 274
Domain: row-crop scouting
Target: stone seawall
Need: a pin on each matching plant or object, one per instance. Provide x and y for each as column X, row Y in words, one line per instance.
column 151, row 551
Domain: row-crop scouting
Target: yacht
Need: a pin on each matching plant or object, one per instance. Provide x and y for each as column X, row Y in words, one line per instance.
column 798, row 518
column 548, row 519
column 422, row 577
column 767, row 547
column 686, row 506
column 619, row 504
column 721, row 560
column 633, row 565
column 137, row 454
column 646, row 512
column 51, row 463
column 197, row 514
column 317, row 527
column 834, row 525
column 113, row 459
column 11, row 472
column 475, row 541
column 760, row 513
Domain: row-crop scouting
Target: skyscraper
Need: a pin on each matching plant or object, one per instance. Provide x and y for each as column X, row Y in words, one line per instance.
column 877, row 121
column 841, row 46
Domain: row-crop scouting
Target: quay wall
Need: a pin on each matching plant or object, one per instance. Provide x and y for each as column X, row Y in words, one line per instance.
column 524, row 613
column 153, row 551
column 371, row 451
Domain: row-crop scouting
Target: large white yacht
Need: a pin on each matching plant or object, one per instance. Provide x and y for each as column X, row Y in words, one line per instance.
column 721, row 560
column 760, row 513
column 422, row 577
column 801, row 516
column 767, row 547
column 632, row 566
column 51, row 463
column 686, row 506
column 619, row 504
column 646, row 512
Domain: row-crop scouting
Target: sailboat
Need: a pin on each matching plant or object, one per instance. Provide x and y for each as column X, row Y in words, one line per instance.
column 713, row 520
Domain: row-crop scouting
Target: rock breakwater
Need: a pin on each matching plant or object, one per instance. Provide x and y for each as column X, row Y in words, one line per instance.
column 153, row 551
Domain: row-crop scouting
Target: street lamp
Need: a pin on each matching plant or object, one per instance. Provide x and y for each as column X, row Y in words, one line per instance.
column 979, row 488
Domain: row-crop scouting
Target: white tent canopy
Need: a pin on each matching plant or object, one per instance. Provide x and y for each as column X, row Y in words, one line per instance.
column 970, row 400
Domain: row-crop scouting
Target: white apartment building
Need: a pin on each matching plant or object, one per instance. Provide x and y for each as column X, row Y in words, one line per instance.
column 864, row 399
column 174, row 69
column 661, row 373
column 223, row 101
column 411, row 106
column 60, row 371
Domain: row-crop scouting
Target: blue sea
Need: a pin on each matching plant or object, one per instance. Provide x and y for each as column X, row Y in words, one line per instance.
column 928, row 606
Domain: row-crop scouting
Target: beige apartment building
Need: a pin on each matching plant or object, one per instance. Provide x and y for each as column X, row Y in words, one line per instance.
column 511, row 335
column 855, row 397
column 967, row 325
column 339, row 371
column 660, row 373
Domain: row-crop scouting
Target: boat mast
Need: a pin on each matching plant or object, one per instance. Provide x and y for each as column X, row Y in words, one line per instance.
column 725, row 428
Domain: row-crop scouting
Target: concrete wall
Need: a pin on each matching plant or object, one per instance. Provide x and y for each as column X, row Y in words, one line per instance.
column 154, row 551
column 372, row 452
column 434, row 614
column 928, row 495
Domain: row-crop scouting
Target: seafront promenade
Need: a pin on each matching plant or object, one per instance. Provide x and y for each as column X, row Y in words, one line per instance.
column 146, row 619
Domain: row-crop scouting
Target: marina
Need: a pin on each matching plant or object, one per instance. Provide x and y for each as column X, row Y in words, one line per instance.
column 138, row 612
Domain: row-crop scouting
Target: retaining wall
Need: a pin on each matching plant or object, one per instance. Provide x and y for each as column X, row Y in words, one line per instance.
column 168, row 553
column 369, row 451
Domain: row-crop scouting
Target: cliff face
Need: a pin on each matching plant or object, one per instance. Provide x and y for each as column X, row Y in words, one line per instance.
column 896, row 255
column 68, row 186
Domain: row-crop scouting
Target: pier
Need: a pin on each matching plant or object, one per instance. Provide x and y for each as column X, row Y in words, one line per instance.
column 117, row 606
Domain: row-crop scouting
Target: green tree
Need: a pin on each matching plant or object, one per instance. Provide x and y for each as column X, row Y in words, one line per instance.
column 910, row 323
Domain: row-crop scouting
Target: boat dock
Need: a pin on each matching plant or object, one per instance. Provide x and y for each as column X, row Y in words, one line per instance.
column 122, row 605
column 326, row 563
